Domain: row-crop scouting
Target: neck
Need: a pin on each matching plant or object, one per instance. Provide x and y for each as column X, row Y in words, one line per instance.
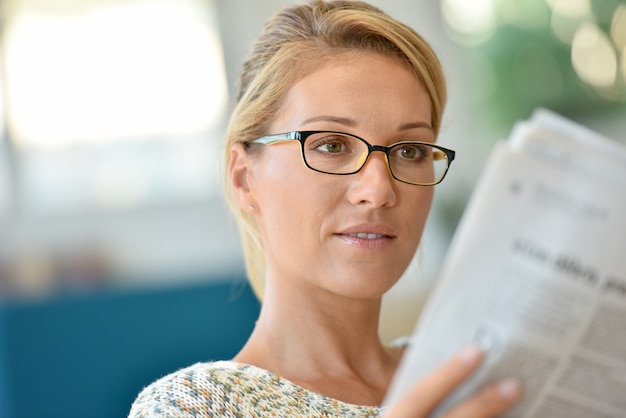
column 324, row 342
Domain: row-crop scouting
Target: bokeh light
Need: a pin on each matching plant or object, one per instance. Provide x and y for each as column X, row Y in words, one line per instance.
column 475, row 20
column 623, row 65
column 567, row 15
column 104, row 85
column 618, row 27
column 593, row 56
column 523, row 14
column 566, row 55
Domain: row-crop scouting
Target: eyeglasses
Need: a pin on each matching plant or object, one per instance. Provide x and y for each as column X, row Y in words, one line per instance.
column 417, row 163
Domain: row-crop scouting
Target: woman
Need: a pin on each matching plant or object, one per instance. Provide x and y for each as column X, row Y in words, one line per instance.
column 330, row 161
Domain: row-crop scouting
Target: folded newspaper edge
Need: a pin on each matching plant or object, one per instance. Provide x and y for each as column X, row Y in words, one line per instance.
column 564, row 140
column 550, row 121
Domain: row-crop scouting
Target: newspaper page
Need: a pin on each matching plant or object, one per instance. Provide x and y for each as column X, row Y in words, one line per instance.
column 536, row 276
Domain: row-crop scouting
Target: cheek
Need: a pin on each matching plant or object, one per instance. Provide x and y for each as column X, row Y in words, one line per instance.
column 426, row 200
column 290, row 197
column 419, row 208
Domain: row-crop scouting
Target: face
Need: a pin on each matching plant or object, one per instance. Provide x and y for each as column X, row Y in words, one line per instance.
column 350, row 235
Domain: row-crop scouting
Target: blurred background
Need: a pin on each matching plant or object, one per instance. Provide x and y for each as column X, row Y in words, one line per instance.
column 111, row 121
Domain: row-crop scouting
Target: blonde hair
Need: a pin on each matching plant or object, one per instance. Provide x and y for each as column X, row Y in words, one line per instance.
column 296, row 41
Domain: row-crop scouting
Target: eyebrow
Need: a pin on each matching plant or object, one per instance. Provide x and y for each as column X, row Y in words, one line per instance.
column 414, row 125
column 352, row 123
column 336, row 119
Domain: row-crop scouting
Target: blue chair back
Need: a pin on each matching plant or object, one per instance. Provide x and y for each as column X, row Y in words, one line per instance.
column 89, row 355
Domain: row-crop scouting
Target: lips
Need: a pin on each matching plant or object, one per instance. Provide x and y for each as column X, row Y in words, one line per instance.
column 366, row 235
column 368, row 231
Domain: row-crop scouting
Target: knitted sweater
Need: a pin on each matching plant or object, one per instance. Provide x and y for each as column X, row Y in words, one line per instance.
column 229, row 389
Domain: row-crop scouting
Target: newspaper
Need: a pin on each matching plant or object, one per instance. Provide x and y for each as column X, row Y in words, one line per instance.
column 536, row 276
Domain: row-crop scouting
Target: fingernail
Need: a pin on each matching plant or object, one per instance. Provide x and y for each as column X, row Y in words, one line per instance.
column 509, row 388
column 470, row 355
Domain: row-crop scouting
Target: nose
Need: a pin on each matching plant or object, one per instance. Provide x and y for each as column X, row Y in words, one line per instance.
column 373, row 185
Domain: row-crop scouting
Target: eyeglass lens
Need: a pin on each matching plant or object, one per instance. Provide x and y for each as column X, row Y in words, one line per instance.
column 344, row 154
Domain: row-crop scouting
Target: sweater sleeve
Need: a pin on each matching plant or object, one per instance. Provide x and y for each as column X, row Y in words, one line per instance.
column 183, row 394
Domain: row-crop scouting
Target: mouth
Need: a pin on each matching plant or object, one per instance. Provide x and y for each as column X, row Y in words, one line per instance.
column 366, row 235
column 368, row 231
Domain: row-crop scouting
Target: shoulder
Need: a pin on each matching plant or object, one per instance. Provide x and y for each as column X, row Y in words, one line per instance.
column 222, row 388
column 199, row 390
column 232, row 389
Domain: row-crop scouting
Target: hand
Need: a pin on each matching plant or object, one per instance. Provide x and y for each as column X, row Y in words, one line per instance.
column 422, row 399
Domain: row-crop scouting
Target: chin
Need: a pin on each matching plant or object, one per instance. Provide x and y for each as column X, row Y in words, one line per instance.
column 368, row 288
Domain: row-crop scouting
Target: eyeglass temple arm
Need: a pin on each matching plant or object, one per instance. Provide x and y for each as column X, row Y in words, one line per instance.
column 443, row 155
column 271, row 139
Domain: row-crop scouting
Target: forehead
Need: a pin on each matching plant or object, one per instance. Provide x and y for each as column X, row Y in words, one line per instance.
column 363, row 87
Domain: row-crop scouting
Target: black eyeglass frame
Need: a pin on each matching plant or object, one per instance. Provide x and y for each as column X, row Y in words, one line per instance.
column 301, row 136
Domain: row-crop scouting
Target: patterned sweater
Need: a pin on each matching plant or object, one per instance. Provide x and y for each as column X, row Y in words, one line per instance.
column 229, row 389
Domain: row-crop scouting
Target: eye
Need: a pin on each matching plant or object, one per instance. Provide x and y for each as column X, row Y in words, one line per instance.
column 408, row 152
column 332, row 147
column 330, row 144
column 411, row 152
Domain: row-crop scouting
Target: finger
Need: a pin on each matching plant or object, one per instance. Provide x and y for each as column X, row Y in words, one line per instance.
column 426, row 395
column 490, row 401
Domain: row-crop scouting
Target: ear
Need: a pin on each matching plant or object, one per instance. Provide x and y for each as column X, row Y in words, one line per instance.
column 239, row 171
